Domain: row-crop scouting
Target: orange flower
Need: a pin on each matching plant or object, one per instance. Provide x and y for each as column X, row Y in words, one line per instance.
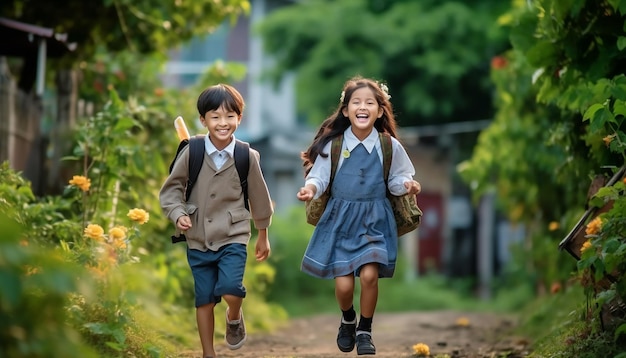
column 462, row 322
column 95, row 232
column 80, row 181
column 119, row 244
column 498, row 62
column 421, row 349
column 138, row 215
column 555, row 288
column 608, row 139
column 117, row 233
column 554, row 225
column 594, row 226
column 586, row 246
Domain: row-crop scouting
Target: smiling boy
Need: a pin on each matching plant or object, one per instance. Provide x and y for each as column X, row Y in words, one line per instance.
column 215, row 219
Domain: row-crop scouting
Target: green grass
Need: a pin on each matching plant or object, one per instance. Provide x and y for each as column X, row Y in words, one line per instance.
column 560, row 326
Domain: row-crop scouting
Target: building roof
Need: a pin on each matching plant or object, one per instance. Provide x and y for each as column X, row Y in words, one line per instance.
column 20, row 39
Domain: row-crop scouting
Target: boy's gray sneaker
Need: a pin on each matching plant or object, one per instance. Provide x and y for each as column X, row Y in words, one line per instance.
column 235, row 332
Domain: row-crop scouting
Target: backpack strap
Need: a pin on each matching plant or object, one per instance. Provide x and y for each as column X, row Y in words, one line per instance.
column 335, row 150
column 242, row 164
column 183, row 143
column 385, row 143
column 196, row 157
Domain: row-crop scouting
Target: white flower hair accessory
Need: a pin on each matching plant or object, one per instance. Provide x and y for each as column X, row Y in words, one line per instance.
column 385, row 89
column 382, row 86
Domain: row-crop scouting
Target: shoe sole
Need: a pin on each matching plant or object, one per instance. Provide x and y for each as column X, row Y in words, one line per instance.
column 238, row 345
column 365, row 352
column 345, row 349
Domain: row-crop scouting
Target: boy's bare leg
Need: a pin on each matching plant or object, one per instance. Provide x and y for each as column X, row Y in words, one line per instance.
column 234, row 306
column 206, row 328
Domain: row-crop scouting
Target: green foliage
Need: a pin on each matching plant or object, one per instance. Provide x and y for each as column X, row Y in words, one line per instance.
column 34, row 285
column 145, row 26
column 435, row 60
column 562, row 326
column 561, row 90
column 118, row 166
column 290, row 237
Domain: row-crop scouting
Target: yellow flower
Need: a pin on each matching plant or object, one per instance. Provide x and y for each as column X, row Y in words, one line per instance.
column 586, row 245
column 594, row 226
column 80, row 181
column 462, row 322
column 119, row 244
column 31, row 270
column 139, row 215
column 421, row 349
column 94, row 231
column 553, row 226
column 608, row 139
column 117, row 233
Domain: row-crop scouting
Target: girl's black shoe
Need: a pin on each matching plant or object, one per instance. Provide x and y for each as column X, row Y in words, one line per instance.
column 364, row 344
column 346, row 337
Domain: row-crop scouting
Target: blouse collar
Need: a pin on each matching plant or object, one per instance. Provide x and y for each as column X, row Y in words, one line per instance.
column 351, row 141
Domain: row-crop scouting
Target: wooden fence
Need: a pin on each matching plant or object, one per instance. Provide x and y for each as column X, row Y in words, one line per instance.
column 20, row 139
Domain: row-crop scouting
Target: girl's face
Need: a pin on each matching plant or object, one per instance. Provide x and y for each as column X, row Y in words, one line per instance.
column 221, row 124
column 362, row 110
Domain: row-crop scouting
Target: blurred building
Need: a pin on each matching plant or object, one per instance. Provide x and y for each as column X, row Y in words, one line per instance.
column 269, row 123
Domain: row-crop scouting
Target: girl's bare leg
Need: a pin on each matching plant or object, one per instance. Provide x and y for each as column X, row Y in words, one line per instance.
column 344, row 291
column 369, row 289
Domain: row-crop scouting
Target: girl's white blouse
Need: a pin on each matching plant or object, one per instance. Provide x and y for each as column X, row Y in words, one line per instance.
column 401, row 169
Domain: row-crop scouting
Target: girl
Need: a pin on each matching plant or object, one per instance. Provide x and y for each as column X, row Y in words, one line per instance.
column 356, row 236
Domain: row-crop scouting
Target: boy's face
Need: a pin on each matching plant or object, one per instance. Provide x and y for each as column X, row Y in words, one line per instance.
column 221, row 124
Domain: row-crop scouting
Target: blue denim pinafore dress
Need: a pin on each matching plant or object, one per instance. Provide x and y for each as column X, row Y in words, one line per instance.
column 357, row 226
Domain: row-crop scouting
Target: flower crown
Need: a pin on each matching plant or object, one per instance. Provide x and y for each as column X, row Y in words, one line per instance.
column 382, row 86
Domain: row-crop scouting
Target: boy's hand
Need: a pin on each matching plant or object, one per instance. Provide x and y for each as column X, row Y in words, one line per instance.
column 262, row 249
column 183, row 223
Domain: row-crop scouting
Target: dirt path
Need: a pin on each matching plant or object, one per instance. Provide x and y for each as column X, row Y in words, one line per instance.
column 486, row 335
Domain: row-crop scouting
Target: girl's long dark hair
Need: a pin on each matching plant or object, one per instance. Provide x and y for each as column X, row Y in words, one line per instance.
column 337, row 123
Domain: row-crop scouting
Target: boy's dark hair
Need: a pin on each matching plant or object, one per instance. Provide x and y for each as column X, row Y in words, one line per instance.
column 219, row 95
column 337, row 123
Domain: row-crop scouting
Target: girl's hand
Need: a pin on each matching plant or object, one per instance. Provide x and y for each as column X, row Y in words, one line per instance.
column 183, row 223
column 306, row 193
column 412, row 187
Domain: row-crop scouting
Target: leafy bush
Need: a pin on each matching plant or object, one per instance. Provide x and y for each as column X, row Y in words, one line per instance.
column 34, row 286
column 562, row 89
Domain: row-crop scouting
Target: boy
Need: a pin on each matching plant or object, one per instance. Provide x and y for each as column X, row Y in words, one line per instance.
column 215, row 219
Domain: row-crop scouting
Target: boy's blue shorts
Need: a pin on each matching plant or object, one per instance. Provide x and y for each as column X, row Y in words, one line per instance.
column 217, row 273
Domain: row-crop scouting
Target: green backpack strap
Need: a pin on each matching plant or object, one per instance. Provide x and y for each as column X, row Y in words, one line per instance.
column 385, row 143
column 335, row 150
